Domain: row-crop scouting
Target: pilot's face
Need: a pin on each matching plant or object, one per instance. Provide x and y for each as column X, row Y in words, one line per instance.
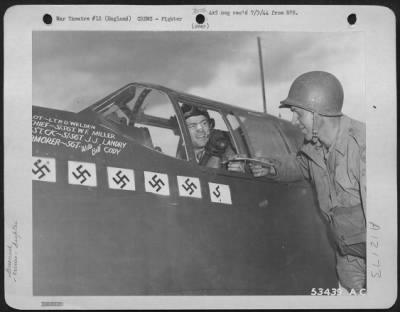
column 303, row 120
column 199, row 128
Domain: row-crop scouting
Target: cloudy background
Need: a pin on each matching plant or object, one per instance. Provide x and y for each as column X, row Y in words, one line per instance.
column 72, row 69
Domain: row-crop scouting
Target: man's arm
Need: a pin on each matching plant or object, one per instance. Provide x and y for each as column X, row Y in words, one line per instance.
column 363, row 177
column 220, row 151
column 288, row 168
column 356, row 158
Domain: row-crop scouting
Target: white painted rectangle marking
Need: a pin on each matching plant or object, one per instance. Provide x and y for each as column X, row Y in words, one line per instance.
column 156, row 183
column 189, row 187
column 82, row 173
column 43, row 169
column 121, row 179
column 220, row 193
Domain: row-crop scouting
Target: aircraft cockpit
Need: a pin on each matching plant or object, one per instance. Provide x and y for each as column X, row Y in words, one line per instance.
column 126, row 176
column 152, row 116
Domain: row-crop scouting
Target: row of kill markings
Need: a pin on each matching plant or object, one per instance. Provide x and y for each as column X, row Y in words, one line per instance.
column 84, row 174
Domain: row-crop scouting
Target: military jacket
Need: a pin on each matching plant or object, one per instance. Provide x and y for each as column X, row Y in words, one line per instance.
column 339, row 176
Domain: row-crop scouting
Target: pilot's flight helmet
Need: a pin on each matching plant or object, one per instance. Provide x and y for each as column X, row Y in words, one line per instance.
column 189, row 111
column 318, row 92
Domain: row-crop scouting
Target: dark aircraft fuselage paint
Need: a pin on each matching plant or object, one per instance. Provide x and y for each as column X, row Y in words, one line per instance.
column 109, row 219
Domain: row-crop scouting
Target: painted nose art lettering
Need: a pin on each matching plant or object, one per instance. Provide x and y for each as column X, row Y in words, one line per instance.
column 44, row 169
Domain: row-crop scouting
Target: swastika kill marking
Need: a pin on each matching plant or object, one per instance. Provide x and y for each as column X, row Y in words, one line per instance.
column 189, row 187
column 44, row 169
column 121, row 178
column 82, row 173
column 217, row 193
column 220, row 193
column 156, row 183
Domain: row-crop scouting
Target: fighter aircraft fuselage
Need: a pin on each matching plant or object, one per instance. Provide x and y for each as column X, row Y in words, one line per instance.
column 116, row 212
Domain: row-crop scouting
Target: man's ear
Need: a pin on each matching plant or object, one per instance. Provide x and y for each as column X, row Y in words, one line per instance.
column 212, row 123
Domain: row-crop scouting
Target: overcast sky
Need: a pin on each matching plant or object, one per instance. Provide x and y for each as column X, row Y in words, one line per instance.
column 72, row 69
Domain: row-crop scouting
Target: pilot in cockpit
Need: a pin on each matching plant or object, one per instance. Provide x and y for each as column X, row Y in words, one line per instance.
column 212, row 147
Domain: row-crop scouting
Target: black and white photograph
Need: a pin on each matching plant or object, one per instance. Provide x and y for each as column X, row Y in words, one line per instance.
column 202, row 164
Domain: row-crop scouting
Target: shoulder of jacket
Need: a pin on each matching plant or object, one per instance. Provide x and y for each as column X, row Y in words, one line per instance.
column 357, row 131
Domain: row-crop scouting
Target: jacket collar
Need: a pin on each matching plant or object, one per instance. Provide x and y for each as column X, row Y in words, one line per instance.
column 343, row 134
column 316, row 154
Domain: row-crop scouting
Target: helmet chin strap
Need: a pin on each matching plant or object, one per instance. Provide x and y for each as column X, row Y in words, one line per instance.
column 315, row 137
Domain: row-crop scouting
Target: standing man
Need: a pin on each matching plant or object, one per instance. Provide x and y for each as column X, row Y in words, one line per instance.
column 333, row 158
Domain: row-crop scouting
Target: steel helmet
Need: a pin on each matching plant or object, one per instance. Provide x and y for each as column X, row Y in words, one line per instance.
column 318, row 92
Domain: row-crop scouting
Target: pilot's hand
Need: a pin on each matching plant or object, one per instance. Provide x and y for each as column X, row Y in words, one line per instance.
column 238, row 166
column 259, row 170
column 217, row 143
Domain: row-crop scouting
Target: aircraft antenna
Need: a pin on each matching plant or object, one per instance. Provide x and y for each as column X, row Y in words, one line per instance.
column 262, row 75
